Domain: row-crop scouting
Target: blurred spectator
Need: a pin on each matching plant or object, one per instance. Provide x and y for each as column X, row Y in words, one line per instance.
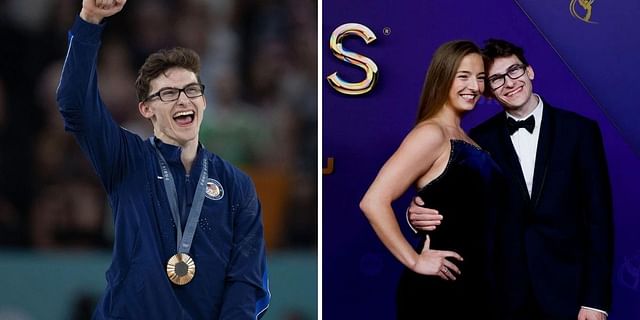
column 233, row 127
column 68, row 215
column 68, row 210
column 116, row 76
column 19, row 121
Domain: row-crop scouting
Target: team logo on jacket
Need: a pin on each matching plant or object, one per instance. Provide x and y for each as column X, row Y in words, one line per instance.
column 214, row 190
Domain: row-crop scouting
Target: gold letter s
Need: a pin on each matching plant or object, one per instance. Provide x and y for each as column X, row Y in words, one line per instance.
column 370, row 67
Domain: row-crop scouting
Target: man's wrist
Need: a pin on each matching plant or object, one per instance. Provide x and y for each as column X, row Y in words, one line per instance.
column 597, row 310
column 88, row 17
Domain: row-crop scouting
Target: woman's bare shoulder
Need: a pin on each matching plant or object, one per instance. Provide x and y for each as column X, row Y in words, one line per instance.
column 429, row 133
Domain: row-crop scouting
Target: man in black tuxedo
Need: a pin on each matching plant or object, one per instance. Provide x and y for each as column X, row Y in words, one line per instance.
column 554, row 241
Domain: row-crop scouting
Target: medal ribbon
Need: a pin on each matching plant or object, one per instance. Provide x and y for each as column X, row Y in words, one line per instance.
column 183, row 242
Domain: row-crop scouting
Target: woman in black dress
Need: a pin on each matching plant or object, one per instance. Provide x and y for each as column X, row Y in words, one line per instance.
column 448, row 275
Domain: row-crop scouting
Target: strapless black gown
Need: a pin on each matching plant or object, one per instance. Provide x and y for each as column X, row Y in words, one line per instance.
column 467, row 194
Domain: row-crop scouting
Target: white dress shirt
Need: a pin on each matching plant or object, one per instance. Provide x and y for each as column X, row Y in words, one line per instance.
column 526, row 144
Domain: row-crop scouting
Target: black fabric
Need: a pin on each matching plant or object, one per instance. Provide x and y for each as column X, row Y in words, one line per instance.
column 554, row 247
column 465, row 194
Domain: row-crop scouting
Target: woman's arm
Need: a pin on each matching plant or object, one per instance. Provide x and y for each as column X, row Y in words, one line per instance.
column 421, row 153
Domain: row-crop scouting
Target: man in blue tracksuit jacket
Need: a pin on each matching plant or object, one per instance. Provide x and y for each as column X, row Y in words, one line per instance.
column 227, row 277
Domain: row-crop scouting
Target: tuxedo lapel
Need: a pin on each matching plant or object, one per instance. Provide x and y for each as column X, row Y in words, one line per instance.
column 510, row 157
column 542, row 153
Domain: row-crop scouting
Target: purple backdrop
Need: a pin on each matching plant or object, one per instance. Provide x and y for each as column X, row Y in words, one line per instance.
column 361, row 132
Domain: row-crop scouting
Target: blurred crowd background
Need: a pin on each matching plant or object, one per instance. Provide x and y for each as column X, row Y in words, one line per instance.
column 259, row 66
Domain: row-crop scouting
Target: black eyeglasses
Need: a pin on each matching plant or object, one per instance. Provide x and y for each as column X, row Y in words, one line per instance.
column 172, row 94
column 514, row 72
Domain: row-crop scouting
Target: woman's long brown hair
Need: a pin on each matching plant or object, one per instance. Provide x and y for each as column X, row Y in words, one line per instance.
column 439, row 78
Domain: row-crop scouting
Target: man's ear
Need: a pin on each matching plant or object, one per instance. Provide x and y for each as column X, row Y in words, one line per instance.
column 145, row 110
column 530, row 72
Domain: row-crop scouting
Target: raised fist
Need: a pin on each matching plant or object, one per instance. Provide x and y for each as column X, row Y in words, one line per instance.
column 93, row 11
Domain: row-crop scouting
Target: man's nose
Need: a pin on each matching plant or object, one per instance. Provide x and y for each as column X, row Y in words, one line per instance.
column 182, row 97
column 508, row 82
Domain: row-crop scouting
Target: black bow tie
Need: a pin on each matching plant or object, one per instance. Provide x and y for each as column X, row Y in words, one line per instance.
column 513, row 125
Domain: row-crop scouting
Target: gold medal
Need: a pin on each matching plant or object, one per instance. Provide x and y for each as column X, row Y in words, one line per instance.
column 181, row 269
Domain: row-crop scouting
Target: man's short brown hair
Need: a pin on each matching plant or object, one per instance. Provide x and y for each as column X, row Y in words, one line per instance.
column 161, row 61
